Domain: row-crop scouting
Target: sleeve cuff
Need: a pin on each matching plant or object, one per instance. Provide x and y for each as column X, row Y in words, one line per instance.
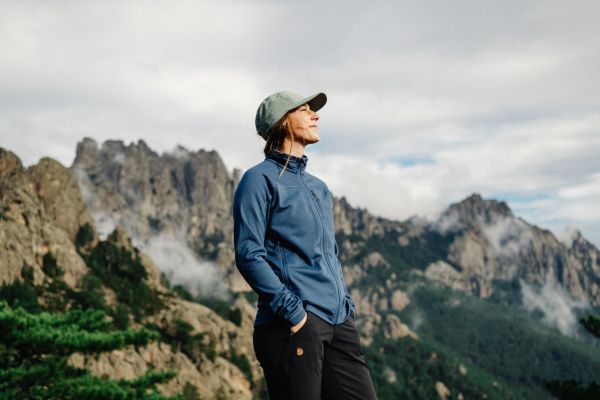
column 296, row 317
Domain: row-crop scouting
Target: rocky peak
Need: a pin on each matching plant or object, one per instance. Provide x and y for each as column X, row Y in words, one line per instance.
column 139, row 176
column 586, row 253
column 59, row 192
column 181, row 195
column 580, row 243
column 86, row 149
column 474, row 210
column 110, row 151
column 9, row 164
column 352, row 220
column 41, row 211
column 489, row 243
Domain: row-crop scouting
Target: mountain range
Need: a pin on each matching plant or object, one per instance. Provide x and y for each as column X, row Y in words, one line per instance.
column 418, row 284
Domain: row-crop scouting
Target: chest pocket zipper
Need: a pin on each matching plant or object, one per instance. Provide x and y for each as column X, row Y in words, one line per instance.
column 314, row 194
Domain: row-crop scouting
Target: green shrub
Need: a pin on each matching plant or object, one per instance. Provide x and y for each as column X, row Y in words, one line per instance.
column 241, row 361
column 591, row 324
column 51, row 267
column 27, row 274
column 19, row 294
column 223, row 308
column 91, row 294
column 251, row 296
column 164, row 280
column 123, row 272
column 190, row 392
column 182, row 292
column 84, row 236
column 35, row 349
column 235, row 316
column 121, row 317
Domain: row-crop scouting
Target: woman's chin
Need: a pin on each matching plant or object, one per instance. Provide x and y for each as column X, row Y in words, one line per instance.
column 313, row 138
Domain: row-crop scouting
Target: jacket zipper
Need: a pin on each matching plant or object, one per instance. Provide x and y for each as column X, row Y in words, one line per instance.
column 337, row 310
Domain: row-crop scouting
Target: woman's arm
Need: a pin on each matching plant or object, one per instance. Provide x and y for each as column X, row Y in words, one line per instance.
column 250, row 206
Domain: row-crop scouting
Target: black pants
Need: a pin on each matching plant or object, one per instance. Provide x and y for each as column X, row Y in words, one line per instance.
column 320, row 361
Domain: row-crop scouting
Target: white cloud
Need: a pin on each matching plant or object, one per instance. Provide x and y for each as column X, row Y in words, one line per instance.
column 501, row 98
column 507, row 237
column 182, row 267
column 556, row 305
column 567, row 235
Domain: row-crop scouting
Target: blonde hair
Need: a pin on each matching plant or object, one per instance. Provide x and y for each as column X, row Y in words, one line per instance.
column 276, row 136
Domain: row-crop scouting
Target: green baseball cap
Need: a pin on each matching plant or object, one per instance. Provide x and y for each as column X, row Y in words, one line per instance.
column 274, row 107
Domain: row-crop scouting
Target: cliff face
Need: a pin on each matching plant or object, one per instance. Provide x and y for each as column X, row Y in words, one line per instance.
column 182, row 195
column 473, row 245
column 41, row 213
column 152, row 193
column 491, row 244
column 41, row 210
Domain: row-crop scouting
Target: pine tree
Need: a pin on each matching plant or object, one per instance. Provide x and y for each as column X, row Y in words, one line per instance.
column 34, row 349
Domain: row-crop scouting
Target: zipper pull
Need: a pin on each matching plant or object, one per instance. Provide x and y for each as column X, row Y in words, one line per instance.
column 314, row 194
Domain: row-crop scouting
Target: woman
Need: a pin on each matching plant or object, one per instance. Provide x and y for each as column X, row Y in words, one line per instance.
column 305, row 337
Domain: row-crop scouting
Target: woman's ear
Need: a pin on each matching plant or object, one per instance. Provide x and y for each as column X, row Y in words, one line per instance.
column 286, row 124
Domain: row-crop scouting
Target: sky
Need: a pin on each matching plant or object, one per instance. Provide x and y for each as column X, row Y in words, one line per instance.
column 428, row 101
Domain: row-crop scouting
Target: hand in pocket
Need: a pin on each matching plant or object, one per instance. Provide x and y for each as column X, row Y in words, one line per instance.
column 296, row 328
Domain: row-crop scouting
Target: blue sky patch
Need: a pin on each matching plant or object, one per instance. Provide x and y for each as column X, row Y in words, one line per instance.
column 408, row 161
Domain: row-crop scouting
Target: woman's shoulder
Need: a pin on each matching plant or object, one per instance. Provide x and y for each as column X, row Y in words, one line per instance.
column 263, row 170
column 317, row 181
column 258, row 177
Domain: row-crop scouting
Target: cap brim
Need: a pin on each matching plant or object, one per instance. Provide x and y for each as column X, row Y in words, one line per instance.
column 316, row 102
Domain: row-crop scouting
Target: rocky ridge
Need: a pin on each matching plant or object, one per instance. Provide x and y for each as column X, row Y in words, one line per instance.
column 489, row 243
column 41, row 213
column 481, row 241
column 184, row 195
column 41, row 210
column 133, row 191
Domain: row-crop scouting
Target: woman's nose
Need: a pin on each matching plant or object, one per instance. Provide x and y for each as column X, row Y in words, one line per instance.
column 315, row 116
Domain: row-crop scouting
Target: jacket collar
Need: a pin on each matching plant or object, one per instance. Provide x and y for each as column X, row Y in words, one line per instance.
column 295, row 163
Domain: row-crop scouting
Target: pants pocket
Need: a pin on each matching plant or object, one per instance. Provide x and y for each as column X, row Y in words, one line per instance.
column 309, row 318
column 270, row 346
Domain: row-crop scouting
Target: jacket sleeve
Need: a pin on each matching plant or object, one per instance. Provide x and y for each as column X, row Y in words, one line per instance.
column 250, row 209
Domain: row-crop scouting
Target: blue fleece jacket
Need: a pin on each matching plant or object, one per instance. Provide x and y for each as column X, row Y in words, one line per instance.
column 285, row 244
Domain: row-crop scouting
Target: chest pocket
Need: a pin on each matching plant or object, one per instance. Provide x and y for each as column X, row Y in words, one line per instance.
column 292, row 206
column 294, row 218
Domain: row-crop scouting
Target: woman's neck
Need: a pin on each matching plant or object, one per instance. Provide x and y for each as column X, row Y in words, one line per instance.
column 297, row 148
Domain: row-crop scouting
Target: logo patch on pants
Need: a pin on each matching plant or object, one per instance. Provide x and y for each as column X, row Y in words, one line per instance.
column 299, row 351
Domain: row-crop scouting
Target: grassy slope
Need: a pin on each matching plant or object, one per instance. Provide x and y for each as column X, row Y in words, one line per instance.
column 501, row 340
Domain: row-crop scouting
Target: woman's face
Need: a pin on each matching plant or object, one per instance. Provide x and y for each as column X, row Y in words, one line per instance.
column 303, row 123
